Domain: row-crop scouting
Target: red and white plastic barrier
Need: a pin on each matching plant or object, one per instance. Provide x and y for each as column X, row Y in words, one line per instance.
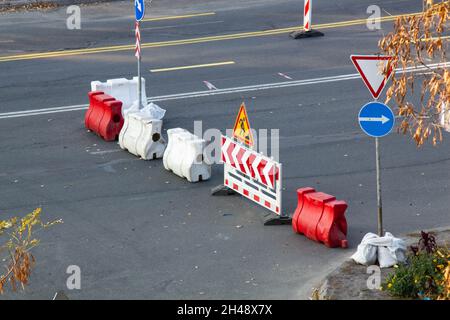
column 122, row 89
column 104, row 115
column 252, row 174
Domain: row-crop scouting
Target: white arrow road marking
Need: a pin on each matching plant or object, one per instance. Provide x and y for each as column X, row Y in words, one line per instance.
column 383, row 119
column 284, row 76
column 210, row 85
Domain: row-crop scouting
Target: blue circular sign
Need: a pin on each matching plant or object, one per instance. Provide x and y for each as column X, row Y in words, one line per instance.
column 376, row 119
column 139, row 9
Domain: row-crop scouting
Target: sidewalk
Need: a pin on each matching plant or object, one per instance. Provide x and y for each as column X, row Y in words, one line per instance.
column 12, row 5
column 348, row 281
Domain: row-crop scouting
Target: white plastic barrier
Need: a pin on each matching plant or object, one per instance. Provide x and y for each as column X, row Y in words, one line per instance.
column 141, row 136
column 122, row 89
column 184, row 156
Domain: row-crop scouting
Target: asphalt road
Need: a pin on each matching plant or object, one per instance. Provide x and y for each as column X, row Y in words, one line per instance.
column 138, row 231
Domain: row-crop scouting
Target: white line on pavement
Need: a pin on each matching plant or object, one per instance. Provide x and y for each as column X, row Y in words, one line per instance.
column 183, row 25
column 198, row 94
column 104, row 152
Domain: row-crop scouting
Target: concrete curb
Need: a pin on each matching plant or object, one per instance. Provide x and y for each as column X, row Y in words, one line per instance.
column 349, row 280
column 6, row 5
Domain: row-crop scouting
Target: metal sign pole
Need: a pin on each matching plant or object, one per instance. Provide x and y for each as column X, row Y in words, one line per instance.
column 379, row 197
column 379, row 200
column 139, row 72
column 139, row 9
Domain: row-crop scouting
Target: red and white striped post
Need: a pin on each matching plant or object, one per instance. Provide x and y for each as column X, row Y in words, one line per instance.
column 307, row 31
column 137, row 53
column 307, row 16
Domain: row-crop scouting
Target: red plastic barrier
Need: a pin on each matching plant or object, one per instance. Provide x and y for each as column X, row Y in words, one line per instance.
column 104, row 115
column 320, row 217
column 300, row 195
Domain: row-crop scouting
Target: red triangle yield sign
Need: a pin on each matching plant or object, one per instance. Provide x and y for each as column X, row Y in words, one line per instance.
column 370, row 70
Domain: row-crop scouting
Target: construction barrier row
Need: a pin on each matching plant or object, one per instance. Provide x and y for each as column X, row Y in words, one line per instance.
column 142, row 137
column 184, row 156
column 139, row 129
column 104, row 115
column 320, row 217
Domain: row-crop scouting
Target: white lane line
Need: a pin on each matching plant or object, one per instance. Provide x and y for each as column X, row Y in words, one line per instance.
column 183, row 25
column 193, row 15
column 198, row 94
column 285, row 84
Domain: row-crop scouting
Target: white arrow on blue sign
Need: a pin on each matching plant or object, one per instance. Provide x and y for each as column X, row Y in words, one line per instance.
column 139, row 8
column 376, row 119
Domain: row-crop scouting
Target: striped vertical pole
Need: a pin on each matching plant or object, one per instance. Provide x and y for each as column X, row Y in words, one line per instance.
column 137, row 53
column 307, row 16
column 137, row 32
column 307, row 31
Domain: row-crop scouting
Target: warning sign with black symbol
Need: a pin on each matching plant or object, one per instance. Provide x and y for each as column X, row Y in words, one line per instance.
column 242, row 131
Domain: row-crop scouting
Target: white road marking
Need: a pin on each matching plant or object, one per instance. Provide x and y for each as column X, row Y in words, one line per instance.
column 209, row 85
column 195, row 66
column 183, row 25
column 284, row 76
column 104, row 152
column 213, row 92
column 387, row 12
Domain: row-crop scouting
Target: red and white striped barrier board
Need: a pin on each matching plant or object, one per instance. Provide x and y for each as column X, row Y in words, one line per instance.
column 252, row 174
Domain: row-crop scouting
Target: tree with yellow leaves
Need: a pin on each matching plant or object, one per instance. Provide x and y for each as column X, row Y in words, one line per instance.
column 19, row 240
column 421, row 41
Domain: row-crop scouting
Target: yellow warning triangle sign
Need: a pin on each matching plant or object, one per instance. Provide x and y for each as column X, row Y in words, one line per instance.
column 242, row 130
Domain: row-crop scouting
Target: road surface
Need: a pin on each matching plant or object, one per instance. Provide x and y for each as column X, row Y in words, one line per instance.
column 138, row 231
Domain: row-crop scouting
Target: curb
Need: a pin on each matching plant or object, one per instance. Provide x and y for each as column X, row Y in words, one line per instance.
column 348, row 281
column 6, row 5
